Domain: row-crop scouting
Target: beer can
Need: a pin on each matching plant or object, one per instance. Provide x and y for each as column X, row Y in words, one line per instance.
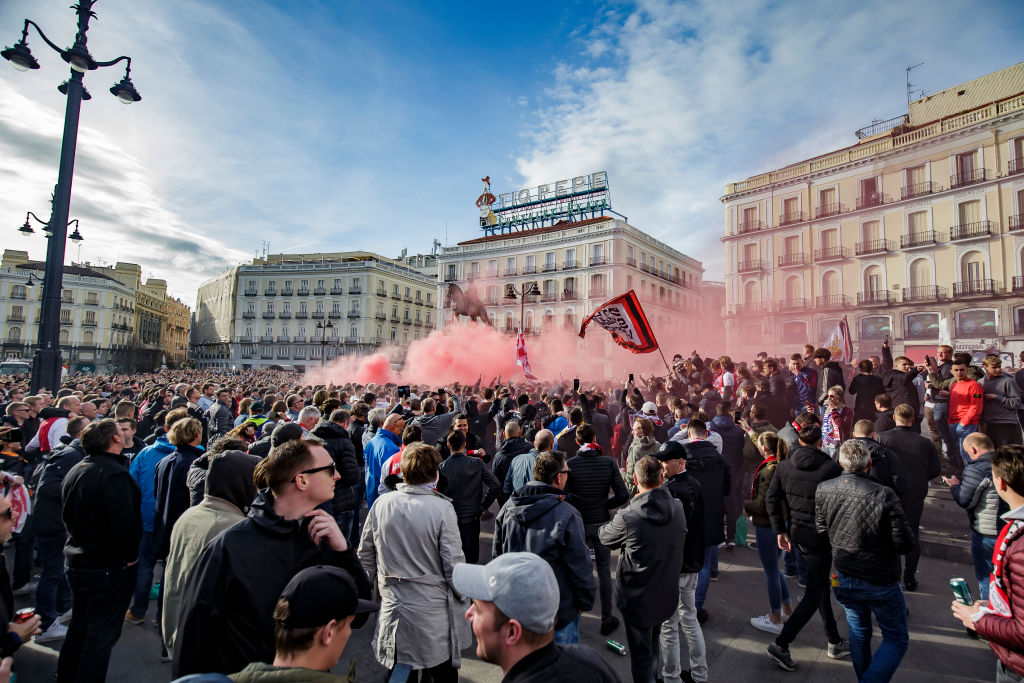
column 961, row 591
column 616, row 647
column 835, row 580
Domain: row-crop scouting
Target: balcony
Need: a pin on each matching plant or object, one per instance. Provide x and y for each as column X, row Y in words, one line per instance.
column 284, row 338
column 596, row 292
column 831, row 254
column 303, row 292
column 752, row 307
column 1015, row 166
column 267, row 339
column 268, row 315
column 300, row 339
column 301, row 315
column 833, row 302
column 288, row 291
column 351, row 290
column 269, row 292
column 285, row 315
column 510, row 272
column 788, row 260
column 598, row 261
column 792, row 217
column 13, row 318
column 351, row 314
column 570, row 265
column 383, row 293
column 569, row 295
column 251, row 292
column 334, row 315
column 19, row 294
column 826, row 210
column 873, row 247
column 407, row 321
column 1016, row 223
column 550, row 267
column 874, row 298
column 376, row 341
column 918, row 190
column 318, row 315
column 926, row 293
column 249, row 315
column 750, row 226
column 381, row 316
column 792, row 304
column 247, row 354
column 418, row 323
column 246, row 340
column 395, row 319
column 529, row 270
column 398, row 297
column 88, row 302
column 337, row 291
column 976, row 288
column 320, row 291
column 450, row 277
column 967, row 177
column 548, row 297
column 89, row 323
column 1018, row 283
column 752, row 266
column 872, row 199
column 920, row 239
column 969, row 231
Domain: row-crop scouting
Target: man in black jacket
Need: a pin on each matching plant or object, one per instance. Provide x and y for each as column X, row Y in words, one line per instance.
column 226, row 618
column 334, row 433
column 592, row 475
column 920, row 463
column 686, row 489
column 651, row 532
column 467, row 476
column 102, row 515
column 712, row 472
column 886, row 467
column 830, row 373
column 792, row 490
column 513, row 445
column 868, row 532
column 898, row 379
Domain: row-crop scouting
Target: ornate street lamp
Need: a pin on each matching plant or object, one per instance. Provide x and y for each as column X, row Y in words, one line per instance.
column 322, row 329
column 525, row 290
column 46, row 364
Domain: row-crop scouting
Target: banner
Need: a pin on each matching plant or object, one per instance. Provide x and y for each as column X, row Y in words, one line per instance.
column 625, row 320
column 521, row 358
column 945, row 338
column 840, row 343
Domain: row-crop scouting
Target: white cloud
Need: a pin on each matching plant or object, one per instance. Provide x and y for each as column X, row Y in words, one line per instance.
column 687, row 97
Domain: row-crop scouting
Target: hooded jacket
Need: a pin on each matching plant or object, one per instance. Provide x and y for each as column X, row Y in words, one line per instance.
column 382, row 446
column 143, row 470
column 651, row 531
column 537, row 519
column 685, row 488
column 793, row 489
column 226, row 618
column 502, row 461
column 592, row 475
column 712, row 472
column 172, row 494
column 339, row 444
column 733, row 438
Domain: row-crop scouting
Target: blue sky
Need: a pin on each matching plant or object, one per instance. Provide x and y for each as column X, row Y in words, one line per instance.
column 328, row 126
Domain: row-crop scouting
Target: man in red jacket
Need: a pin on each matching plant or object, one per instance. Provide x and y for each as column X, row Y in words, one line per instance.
column 1000, row 621
column 966, row 399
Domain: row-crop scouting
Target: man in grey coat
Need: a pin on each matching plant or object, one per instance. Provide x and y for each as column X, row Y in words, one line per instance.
column 651, row 531
column 219, row 419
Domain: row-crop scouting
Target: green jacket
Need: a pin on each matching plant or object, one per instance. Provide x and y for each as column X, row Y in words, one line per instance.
column 259, row 672
column 755, row 507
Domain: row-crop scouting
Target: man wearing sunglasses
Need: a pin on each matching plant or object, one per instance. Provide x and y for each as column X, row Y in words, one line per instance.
column 227, row 607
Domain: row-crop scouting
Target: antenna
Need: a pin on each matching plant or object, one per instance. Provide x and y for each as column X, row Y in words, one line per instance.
column 264, row 248
column 436, row 246
column 911, row 86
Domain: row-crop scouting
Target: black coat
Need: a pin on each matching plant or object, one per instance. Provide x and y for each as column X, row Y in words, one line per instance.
column 920, row 463
column 793, row 489
column 592, row 475
column 561, row 664
column 866, row 527
column 46, row 508
column 502, row 461
column 227, row 608
column 686, row 489
column 467, row 475
column 651, row 532
column 355, row 430
column 102, row 513
column 899, row 385
column 884, row 421
column 886, row 467
column 715, row 478
column 339, row 444
column 172, row 495
column 865, row 388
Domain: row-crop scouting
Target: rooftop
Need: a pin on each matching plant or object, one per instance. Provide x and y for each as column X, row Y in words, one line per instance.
column 562, row 225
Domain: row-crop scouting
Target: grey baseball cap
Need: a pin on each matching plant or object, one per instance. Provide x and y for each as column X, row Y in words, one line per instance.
column 521, row 585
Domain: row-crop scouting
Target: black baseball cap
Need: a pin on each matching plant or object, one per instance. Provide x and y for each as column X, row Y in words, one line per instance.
column 318, row 594
column 671, row 450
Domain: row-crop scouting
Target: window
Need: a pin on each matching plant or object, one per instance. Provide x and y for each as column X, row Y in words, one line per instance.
column 916, row 177
column 751, row 293
column 18, row 292
column 794, row 289
column 750, row 252
column 88, row 339
column 531, row 265
column 450, row 276
column 920, row 273
column 917, row 222
column 790, row 208
column 964, row 171
column 921, row 325
column 976, row 323
column 825, row 327
column 353, row 331
column 827, row 201
column 65, row 337
column 302, row 308
column 629, row 282
column 549, row 260
column 875, row 327
column 969, row 212
column 336, row 306
column 510, row 266
column 570, row 285
column 597, row 254
column 492, row 268
column 870, row 231
column 320, row 307
column 792, row 245
column 286, row 307
column 570, row 258
column 474, row 271
column 829, row 240
column 14, row 334
column 749, row 219
column 794, row 332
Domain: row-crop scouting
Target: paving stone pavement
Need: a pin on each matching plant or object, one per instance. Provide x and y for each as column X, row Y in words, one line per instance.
column 939, row 649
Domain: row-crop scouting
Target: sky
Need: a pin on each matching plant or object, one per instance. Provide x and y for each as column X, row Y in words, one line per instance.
column 322, row 126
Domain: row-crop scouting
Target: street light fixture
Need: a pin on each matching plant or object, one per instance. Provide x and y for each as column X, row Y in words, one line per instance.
column 322, row 329
column 46, row 364
column 525, row 290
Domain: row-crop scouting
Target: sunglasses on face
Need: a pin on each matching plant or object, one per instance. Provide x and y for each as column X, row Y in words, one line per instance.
column 330, row 469
column 7, row 514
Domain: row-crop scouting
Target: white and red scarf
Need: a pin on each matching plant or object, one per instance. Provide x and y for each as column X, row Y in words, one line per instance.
column 998, row 598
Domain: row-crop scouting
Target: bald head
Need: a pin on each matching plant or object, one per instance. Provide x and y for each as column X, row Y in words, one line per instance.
column 544, row 441
column 864, row 428
column 512, row 429
column 394, row 423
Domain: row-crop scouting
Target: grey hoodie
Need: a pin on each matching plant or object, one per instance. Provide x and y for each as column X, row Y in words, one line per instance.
column 1004, row 408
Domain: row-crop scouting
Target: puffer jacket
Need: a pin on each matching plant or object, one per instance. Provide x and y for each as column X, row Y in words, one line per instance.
column 755, row 507
column 502, row 461
column 591, row 475
column 645, row 445
column 537, row 519
column 715, row 479
column 1005, row 635
column 792, row 490
column 865, row 525
column 339, row 444
column 886, row 466
column 976, row 494
column 467, row 475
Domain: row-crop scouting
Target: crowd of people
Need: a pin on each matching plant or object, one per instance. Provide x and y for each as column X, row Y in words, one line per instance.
column 266, row 518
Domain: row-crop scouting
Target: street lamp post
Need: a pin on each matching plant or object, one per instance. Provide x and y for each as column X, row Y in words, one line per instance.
column 46, row 364
column 523, row 291
column 322, row 329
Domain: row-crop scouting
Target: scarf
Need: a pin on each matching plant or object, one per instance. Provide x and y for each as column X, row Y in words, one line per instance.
column 998, row 599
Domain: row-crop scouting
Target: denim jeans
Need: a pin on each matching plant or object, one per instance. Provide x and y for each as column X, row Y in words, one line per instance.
column 944, row 430
column 816, row 597
column 570, row 633
column 359, row 492
column 53, row 594
column 643, row 650
column 768, row 553
column 862, row 599
column 144, row 580
column 704, row 577
column 686, row 617
column 345, row 520
column 602, row 558
column 982, row 548
column 101, row 598
column 961, row 432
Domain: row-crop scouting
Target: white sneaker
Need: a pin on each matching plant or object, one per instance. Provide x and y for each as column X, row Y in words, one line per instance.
column 764, row 623
column 57, row 631
column 66, row 617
